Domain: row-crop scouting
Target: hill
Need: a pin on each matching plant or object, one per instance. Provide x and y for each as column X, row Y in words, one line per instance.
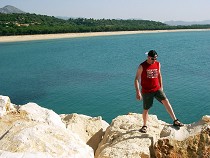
column 23, row 24
column 10, row 9
column 185, row 23
column 13, row 21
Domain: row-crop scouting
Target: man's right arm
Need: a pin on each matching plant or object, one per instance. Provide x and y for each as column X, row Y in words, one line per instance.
column 136, row 82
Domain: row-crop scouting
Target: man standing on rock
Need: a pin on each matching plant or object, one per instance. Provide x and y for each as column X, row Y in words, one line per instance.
column 152, row 87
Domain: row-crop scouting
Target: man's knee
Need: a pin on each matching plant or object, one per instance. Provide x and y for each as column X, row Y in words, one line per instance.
column 145, row 110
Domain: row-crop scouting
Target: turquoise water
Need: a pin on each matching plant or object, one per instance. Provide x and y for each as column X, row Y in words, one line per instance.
column 95, row 75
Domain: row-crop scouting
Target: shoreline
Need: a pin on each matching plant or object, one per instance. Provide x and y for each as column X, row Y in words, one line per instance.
column 20, row 38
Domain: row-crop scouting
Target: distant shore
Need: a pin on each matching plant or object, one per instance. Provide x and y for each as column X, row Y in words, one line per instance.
column 73, row 35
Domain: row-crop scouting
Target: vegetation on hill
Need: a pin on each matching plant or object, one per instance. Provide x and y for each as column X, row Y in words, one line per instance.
column 28, row 24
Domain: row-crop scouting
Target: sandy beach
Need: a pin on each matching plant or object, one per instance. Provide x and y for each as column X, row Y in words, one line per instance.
column 73, row 35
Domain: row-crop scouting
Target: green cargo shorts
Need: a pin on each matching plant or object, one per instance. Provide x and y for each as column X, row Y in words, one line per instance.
column 149, row 97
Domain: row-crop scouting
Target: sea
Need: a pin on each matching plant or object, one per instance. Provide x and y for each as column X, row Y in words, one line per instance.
column 94, row 76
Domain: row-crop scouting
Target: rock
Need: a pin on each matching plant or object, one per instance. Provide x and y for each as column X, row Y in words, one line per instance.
column 33, row 131
column 32, row 137
column 6, row 154
column 123, row 139
column 5, row 105
column 206, row 118
column 90, row 129
column 183, row 133
column 197, row 145
column 34, row 112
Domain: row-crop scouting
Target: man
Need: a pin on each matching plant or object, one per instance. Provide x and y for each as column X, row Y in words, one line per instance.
column 152, row 87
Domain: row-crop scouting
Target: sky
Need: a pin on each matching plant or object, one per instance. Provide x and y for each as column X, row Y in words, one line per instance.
column 156, row 10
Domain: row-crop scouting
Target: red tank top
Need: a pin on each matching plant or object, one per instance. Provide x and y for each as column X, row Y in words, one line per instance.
column 150, row 77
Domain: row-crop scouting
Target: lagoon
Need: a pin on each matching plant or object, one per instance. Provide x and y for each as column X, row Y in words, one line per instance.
column 95, row 75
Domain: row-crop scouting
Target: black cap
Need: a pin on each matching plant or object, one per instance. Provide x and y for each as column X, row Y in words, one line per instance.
column 152, row 53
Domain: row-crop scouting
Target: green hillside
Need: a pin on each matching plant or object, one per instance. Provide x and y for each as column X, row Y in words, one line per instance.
column 28, row 24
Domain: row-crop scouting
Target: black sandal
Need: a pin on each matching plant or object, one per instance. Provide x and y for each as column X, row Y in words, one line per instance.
column 143, row 129
column 177, row 123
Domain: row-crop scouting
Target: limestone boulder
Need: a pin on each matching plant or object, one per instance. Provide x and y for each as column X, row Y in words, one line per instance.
column 33, row 131
column 122, row 138
column 6, row 154
column 34, row 112
column 30, row 131
column 90, row 129
column 193, row 140
column 5, row 105
column 24, row 137
column 206, row 118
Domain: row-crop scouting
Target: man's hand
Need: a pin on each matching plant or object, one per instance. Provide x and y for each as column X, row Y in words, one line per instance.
column 138, row 96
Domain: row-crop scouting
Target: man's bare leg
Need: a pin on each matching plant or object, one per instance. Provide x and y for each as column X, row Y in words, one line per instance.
column 145, row 117
column 169, row 108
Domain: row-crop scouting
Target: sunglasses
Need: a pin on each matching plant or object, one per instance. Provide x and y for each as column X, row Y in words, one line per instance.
column 152, row 58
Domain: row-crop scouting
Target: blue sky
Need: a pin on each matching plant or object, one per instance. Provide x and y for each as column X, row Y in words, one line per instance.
column 157, row 10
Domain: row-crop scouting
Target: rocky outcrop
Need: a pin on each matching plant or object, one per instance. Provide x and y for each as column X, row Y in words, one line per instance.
column 122, row 139
column 191, row 141
column 90, row 130
column 5, row 105
column 197, row 145
column 30, row 131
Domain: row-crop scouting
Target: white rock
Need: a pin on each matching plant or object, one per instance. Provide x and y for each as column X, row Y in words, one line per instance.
column 33, row 137
column 6, row 154
column 90, row 129
column 172, row 132
column 33, row 132
column 123, row 139
column 39, row 114
column 206, row 118
column 5, row 105
column 186, row 131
